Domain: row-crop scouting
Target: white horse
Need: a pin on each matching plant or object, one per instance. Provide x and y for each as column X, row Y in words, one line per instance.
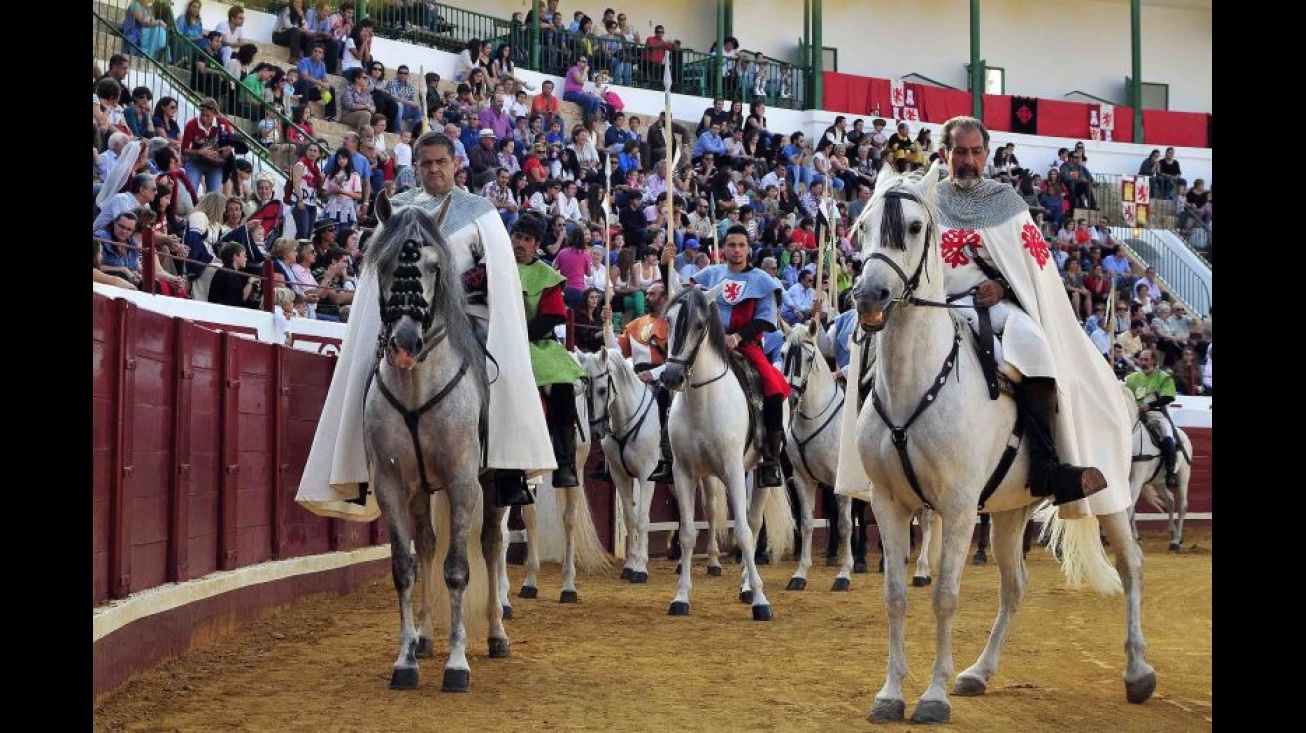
column 929, row 396
column 709, row 428
column 1147, row 479
column 816, row 404
column 624, row 416
column 559, row 517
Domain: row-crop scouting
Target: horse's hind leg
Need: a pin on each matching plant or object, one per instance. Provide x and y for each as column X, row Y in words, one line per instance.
column 1140, row 678
column 843, row 519
column 494, row 550
column 929, row 548
column 748, row 514
column 420, row 506
column 1008, row 529
column 807, row 501
column 529, row 589
column 713, row 493
column 570, row 502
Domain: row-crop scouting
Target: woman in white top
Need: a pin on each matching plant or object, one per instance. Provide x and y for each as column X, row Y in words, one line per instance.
column 358, row 47
column 598, row 277
column 468, row 59
column 647, row 271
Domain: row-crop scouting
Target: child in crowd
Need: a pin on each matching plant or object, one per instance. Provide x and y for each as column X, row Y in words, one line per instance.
column 403, row 152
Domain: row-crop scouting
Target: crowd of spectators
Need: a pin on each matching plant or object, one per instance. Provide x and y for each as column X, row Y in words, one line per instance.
column 514, row 147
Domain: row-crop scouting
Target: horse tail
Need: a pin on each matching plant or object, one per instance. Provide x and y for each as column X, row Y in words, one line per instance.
column 476, row 595
column 717, row 510
column 778, row 517
column 591, row 557
column 1077, row 544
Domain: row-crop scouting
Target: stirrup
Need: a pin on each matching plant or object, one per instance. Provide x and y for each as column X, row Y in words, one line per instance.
column 564, row 477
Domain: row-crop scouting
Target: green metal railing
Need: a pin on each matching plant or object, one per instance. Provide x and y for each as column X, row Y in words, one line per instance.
column 438, row 26
column 190, row 70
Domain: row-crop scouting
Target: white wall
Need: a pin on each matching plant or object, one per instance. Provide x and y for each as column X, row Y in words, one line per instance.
column 1048, row 48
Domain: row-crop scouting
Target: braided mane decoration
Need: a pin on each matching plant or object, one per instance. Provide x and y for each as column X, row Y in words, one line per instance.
column 406, row 291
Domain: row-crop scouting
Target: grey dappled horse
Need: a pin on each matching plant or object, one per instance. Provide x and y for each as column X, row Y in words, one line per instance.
column 423, row 429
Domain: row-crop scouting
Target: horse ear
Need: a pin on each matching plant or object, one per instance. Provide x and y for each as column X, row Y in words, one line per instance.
column 784, row 326
column 811, row 327
column 383, row 208
column 930, row 182
column 715, row 291
column 885, row 179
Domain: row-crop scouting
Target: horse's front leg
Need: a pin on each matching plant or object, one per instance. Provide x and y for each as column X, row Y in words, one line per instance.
column 570, row 502
column 391, row 497
column 1008, row 529
column 958, row 527
column 494, row 549
column 748, row 515
column 529, row 587
column 462, row 498
column 684, row 489
column 893, row 521
column 806, row 491
column 1140, row 678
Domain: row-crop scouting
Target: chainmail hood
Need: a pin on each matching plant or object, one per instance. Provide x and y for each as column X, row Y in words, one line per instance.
column 989, row 204
column 465, row 208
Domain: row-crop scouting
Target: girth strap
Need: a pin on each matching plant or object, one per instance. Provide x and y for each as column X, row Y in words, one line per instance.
column 802, row 444
column 412, row 417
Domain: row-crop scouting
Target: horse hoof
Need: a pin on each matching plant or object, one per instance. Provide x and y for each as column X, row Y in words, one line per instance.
column 761, row 613
column 639, row 577
column 1141, row 689
column 887, row 711
column 967, row 686
column 678, row 608
column 859, row 566
column 745, row 596
column 403, row 678
column 831, row 561
column 507, row 612
column 1174, row 547
column 878, row 570
column 569, row 596
column 797, row 584
column 932, row 711
column 920, row 581
column 678, row 570
column 980, row 558
column 499, row 648
column 840, row 584
column 626, row 573
column 528, row 591
column 457, row 680
column 424, row 648
column 714, row 571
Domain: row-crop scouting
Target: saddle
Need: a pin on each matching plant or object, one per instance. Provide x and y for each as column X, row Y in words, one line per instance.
column 751, row 382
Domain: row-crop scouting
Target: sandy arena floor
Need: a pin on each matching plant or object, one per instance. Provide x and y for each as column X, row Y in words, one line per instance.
column 616, row 661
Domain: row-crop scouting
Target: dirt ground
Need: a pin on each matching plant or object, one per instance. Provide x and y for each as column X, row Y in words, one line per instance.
column 617, row 661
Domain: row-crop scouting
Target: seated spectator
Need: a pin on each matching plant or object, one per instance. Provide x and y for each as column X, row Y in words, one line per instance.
column 100, row 276
column 798, row 299
column 1170, row 178
column 330, row 273
column 573, row 89
column 1197, row 205
column 1079, row 180
column 588, row 321
column 120, row 252
column 291, row 30
column 1117, row 266
column 357, row 104
column 1080, row 296
column 232, row 285
column 144, row 31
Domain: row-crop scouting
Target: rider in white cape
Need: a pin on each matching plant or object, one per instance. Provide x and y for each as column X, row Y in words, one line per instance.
column 518, row 436
column 1039, row 337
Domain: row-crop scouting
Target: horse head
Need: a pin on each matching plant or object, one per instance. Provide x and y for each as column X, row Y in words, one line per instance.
column 598, row 388
column 692, row 318
column 899, row 232
column 797, row 356
column 416, row 282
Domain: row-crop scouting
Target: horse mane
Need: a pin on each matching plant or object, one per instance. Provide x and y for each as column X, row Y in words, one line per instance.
column 449, row 299
column 893, row 229
column 716, row 333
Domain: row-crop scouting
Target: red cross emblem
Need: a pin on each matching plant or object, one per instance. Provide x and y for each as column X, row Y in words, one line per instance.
column 1034, row 244
column 953, row 246
column 733, row 292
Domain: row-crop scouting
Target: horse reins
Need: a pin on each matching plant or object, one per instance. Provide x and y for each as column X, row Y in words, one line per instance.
column 688, row 364
column 839, row 397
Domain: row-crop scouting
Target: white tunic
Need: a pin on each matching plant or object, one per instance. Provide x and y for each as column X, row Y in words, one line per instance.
column 517, row 438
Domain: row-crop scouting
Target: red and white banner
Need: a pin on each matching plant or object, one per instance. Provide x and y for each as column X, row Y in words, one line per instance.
column 1101, row 121
column 903, row 101
column 1135, row 196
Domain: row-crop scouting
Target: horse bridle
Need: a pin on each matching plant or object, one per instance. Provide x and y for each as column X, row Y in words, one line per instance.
column 792, row 365
column 688, row 363
column 633, row 424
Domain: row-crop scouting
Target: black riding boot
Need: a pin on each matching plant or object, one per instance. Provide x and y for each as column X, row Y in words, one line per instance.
column 1048, row 476
column 511, row 489
column 562, row 432
column 768, row 470
column 1170, row 455
column 662, row 473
